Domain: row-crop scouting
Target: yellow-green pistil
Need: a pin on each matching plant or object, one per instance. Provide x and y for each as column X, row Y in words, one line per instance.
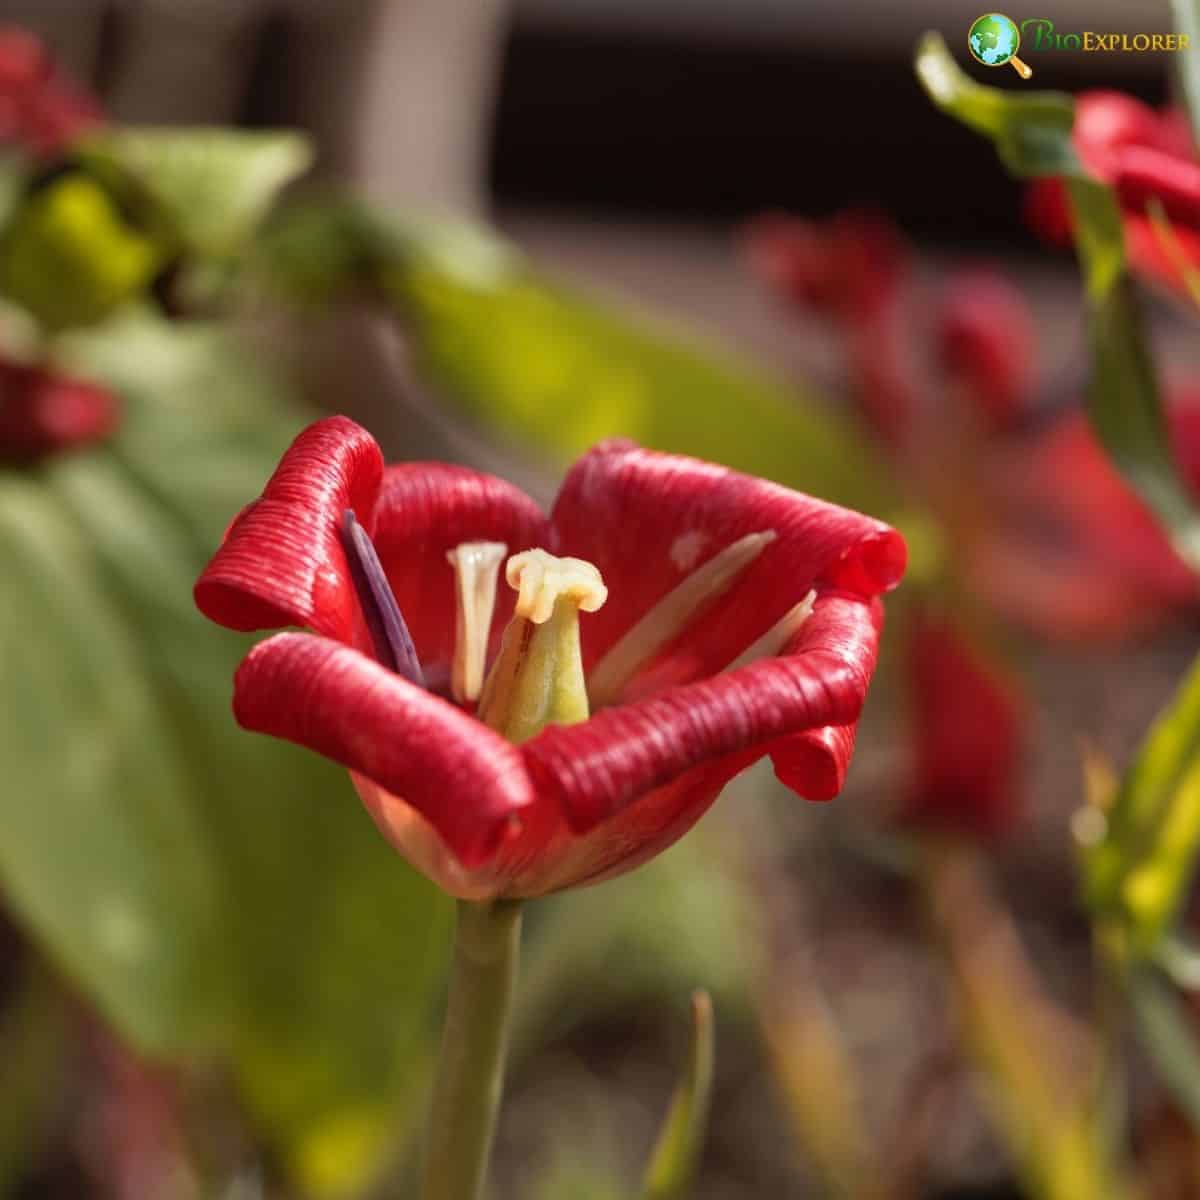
column 537, row 679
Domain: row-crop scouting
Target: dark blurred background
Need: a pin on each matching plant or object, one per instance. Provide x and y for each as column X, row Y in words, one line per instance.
column 704, row 111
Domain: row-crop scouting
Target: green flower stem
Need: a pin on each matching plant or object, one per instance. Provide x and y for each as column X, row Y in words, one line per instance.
column 470, row 1073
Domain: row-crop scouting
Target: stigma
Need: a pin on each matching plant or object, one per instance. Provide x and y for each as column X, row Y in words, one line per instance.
column 541, row 580
column 537, row 678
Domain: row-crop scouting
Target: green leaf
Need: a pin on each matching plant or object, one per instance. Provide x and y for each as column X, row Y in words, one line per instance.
column 104, row 854
column 681, row 1139
column 1032, row 135
column 70, row 257
column 209, row 187
column 1167, row 1034
column 1141, row 868
column 1187, row 21
column 327, row 951
column 1180, row 962
column 15, row 171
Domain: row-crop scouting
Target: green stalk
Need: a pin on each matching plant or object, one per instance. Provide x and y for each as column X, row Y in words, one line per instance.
column 470, row 1072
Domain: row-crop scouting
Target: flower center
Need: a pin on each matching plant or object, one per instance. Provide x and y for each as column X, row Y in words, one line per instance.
column 537, row 679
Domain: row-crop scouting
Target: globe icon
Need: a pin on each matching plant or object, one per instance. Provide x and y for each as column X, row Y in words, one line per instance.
column 994, row 40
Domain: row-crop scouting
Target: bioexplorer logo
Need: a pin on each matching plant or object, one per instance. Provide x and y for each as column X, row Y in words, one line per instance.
column 994, row 40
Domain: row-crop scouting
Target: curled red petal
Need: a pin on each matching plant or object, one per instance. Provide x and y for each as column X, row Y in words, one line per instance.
column 426, row 509
column 814, row 763
column 647, row 520
column 282, row 561
column 598, row 769
column 465, row 780
column 632, row 837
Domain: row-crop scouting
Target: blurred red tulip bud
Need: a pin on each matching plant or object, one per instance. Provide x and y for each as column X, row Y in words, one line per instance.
column 985, row 341
column 42, row 413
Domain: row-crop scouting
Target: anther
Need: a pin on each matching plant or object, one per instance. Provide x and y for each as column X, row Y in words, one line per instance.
column 671, row 616
column 778, row 636
column 476, row 567
column 389, row 634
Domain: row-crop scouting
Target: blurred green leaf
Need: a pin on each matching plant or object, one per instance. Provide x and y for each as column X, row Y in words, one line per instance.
column 103, row 853
column 1180, row 961
column 1167, row 1033
column 556, row 370
column 593, row 952
column 33, row 1048
column 209, row 187
column 213, row 890
column 1032, row 135
column 577, row 1180
column 551, row 367
column 1142, row 866
column 1187, row 21
column 70, row 257
column 14, row 178
column 681, row 1139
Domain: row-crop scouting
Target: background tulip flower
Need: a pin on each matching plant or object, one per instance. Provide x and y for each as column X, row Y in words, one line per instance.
column 1149, row 158
column 42, row 412
column 1045, row 530
column 741, row 619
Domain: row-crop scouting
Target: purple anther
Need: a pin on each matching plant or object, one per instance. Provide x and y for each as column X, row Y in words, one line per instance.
column 389, row 634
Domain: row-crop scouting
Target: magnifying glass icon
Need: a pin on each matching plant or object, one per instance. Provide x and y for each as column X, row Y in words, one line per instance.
column 994, row 40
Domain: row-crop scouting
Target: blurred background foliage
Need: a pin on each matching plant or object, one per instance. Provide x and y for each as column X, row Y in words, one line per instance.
column 216, row 980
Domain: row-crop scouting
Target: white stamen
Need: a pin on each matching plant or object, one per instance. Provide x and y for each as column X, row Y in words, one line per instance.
column 476, row 566
column 540, row 579
column 778, row 636
column 671, row 615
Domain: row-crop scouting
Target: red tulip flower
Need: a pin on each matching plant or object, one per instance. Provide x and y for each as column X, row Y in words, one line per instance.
column 42, row 412
column 1144, row 155
column 40, row 111
column 725, row 618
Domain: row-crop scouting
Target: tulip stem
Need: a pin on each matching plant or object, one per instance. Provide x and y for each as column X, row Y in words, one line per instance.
column 470, row 1074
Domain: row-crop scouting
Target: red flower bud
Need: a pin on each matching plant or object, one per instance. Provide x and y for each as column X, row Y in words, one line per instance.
column 40, row 111
column 42, row 413
column 985, row 342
